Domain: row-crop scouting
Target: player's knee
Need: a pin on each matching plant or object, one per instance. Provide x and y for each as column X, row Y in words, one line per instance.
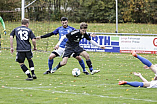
column 21, row 64
column 78, row 58
column 86, row 56
column 52, row 57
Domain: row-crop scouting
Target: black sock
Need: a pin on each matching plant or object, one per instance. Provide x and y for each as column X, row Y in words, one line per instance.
column 26, row 70
column 31, row 66
column 89, row 64
column 59, row 65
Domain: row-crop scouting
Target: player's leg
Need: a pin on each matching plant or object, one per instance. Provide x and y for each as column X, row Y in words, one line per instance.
column 29, row 56
column 142, row 59
column 81, row 62
column 50, row 62
column 20, row 58
column 145, row 61
column 134, row 84
column 54, row 54
column 60, row 64
column 67, row 53
column 89, row 63
column 31, row 66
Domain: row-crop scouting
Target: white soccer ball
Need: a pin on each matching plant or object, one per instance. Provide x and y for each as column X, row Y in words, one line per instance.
column 76, row 72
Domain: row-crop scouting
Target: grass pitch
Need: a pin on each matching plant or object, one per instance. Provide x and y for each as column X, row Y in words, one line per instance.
column 61, row 87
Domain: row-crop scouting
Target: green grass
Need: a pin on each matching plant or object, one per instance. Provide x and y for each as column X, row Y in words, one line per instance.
column 61, row 87
column 47, row 44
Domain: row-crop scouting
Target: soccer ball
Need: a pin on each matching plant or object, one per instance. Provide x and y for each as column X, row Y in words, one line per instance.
column 76, row 72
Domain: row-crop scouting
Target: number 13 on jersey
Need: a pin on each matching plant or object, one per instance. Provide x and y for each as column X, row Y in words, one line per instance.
column 23, row 35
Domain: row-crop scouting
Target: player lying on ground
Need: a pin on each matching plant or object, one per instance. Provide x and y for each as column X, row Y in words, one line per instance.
column 145, row 83
column 72, row 46
column 63, row 30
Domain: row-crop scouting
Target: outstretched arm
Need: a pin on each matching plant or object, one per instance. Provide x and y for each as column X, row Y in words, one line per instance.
column 96, row 44
column 3, row 24
column 59, row 42
column 92, row 35
column 45, row 36
column 140, row 76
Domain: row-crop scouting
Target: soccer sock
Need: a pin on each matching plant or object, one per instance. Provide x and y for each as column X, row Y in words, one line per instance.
column 50, row 63
column 144, row 61
column 135, row 84
column 25, row 70
column 89, row 64
column 58, row 66
column 31, row 66
column 82, row 65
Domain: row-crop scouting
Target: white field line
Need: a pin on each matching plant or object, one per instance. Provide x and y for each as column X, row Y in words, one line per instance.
column 87, row 94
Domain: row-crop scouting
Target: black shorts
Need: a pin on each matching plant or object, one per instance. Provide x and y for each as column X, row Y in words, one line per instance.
column 20, row 56
column 72, row 50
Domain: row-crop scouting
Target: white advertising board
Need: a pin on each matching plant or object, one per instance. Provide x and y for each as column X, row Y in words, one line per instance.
column 122, row 44
column 142, row 44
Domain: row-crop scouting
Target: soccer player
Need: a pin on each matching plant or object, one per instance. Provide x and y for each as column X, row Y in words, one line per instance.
column 23, row 34
column 4, row 30
column 63, row 30
column 72, row 46
column 3, row 24
column 146, row 62
column 145, row 83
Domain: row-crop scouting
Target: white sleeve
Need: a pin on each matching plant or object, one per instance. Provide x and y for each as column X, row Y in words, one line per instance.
column 62, row 38
column 94, row 43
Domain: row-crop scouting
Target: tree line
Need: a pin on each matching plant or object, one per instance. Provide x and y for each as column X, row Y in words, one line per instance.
column 100, row 11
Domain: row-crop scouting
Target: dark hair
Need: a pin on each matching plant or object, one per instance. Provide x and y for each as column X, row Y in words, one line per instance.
column 25, row 21
column 64, row 19
column 83, row 25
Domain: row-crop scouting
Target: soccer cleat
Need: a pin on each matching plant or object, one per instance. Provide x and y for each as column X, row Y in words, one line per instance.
column 133, row 53
column 29, row 79
column 34, row 76
column 95, row 71
column 47, row 72
column 122, row 82
column 86, row 72
column 53, row 70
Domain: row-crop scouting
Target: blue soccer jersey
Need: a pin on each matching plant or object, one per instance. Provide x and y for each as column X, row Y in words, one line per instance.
column 63, row 31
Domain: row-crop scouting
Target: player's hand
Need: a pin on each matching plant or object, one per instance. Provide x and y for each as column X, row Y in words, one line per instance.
column 38, row 37
column 102, row 47
column 137, row 74
column 4, row 31
column 11, row 50
column 92, row 35
column 145, row 67
column 56, row 47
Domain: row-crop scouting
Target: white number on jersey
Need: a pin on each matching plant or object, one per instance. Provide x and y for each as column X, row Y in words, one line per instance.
column 23, row 35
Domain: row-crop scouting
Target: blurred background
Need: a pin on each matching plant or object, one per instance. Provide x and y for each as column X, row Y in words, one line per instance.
column 94, row 11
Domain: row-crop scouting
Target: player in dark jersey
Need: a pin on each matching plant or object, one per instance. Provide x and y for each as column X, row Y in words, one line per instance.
column 63, row 30
column 72, row 46
column 23, row 34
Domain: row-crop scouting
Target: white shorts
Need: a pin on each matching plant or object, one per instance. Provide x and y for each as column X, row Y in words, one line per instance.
column 59, row 51
column 153, row 84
